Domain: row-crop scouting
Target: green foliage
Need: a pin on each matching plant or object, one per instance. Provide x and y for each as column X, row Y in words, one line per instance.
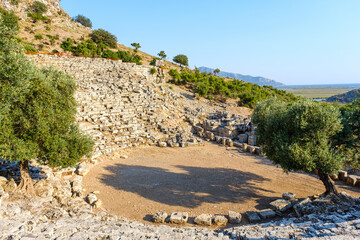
column 103, row 36
column 181, row 59
column 10, row 19
column 39, row 7
column 348, row 140
column 83, row 21
column 55, row 51
column 38, row 37
column 37, row 110
column 136, row 46
column 15, row 2
column 204, row 84
column 298, row 135
column 153, row 70
column 48, row 28
column 216, row 71
column 67, row 45
column 29, row 48
column 153, row 61
column 125, row 56
column 162, row 55
column 87, row 49
column 52, row 39
column 38, row 16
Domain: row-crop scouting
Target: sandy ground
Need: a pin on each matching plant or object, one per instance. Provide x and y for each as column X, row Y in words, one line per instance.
column 210, row 179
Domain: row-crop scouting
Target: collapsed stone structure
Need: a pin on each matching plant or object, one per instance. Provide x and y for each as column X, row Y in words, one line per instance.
column 123, row 104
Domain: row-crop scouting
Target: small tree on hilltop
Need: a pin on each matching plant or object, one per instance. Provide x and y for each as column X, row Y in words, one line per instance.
column 216, row 71
column 162, row 55
column 136, row 46
column 37, row 113
column 83, row 21
column 298, row 136
column 181, row 59
column 103, row 36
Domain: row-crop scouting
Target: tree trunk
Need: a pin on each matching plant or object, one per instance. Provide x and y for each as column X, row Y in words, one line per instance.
column 26, row 184
column 328, row 182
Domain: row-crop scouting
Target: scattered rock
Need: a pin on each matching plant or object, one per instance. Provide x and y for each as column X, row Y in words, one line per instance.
column 162, row 144
column 343, row 175
column 289, row 196
column 179, row 217
column 97, row 204
column 220, row 220
column 253, row 216
column 83, row 169
column 281, row 205
column 234, row 217
column 91, row 198
column 352, row 180
column 203, row 219
column 298, row 207
column 267, row 214
column 160, row 217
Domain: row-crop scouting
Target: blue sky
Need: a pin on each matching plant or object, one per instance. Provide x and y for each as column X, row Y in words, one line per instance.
column 291, row 41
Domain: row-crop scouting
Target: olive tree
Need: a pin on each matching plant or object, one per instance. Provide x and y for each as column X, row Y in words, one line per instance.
column 83, row 20
column 103, row 36
column 298, row 136
column 37, row 113
column 181, row 59
column 162, row 55
column 136, row 46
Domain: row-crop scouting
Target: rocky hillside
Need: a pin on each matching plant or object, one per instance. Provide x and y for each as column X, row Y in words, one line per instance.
column 255, row 80
column 345, row 97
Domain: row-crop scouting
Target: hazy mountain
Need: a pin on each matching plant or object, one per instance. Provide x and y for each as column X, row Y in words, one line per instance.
column 256, row 80
column 345, row 97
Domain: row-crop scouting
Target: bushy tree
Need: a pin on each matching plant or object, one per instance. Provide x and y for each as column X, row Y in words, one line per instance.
column 136, row 46
column 181, row 59
column 83, row 21
column 67, row 45
column 103, row 36
column 216, row 71
column 298, row 136
column 37, row 112
column 162, row 55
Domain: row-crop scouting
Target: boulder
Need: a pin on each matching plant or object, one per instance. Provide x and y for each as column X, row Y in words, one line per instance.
column 97, row 204
column 251, row 149
column 243, row 138
column 91, row 198
column 334, row 177
column 234, row 217
column 253, row 216
column 267, row 213
column 204, row 219
column 83, row 169
column 229, row 142
column 10, row 186
column 160, row 217
column 252, row 140
column 245, row 147
column 281, row 205
column 162, row 144
column 179, row 217
column 220, row 220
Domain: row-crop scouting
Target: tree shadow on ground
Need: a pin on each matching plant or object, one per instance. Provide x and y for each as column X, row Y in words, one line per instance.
column 188, row 186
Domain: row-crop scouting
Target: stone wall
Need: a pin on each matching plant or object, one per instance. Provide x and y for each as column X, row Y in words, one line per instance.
column 120, row 104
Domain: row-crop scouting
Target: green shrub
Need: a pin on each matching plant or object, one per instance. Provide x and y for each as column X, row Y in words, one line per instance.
column 153, row 61
column 15, row 2
column 39, row 7
column 67, row 45
column 55, row 51
column 83, row 21
column 41, row 47
column 38, row 37
column 153, row 70
column 10, row 19
column 29, row 48
column 103, row 36
column 38, row 16
column 47, row 28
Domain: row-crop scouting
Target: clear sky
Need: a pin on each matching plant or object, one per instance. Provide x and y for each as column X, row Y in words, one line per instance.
column 291, row 41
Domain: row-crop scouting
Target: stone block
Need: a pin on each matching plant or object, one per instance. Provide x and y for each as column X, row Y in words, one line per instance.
column 230, row 142
column 160, row 217
column 179, row 217
column 245, row 147
column 162, row 144
column 204, row 219
column 343, row 175
column 220, row 220
column 252, row 140
column 251, row 149
column 253, row 216
column 267, row 214
column 352, row 180
column 243, row 138
column 91, row 198
column 289, row 196
column 234, row 217
column 334, row 177
column 281, row 205
column 83, row 169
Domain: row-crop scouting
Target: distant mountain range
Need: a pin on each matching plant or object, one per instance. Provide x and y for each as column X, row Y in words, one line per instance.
column 256, row 80
column 345, row 97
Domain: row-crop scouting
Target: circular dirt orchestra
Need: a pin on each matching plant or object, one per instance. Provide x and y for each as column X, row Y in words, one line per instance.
column 210, row 179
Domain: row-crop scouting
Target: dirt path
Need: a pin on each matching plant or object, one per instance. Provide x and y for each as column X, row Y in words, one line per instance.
column 210, row 179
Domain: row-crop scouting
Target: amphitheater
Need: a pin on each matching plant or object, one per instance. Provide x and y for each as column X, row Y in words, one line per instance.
column 161, row 149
